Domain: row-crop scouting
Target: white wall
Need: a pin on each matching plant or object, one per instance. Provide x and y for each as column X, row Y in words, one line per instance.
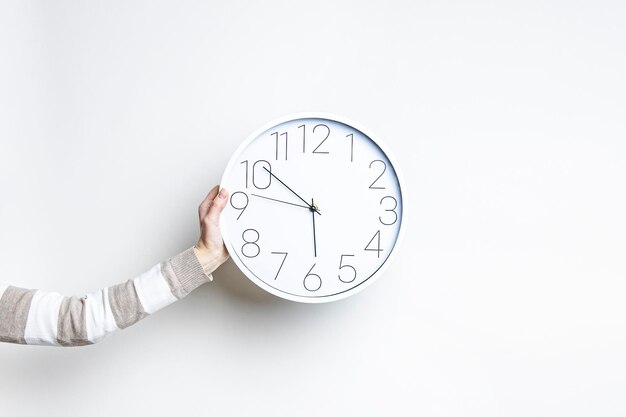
column 507, row 118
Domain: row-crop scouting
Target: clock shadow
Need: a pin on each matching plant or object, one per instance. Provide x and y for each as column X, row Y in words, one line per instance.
column 230, row 280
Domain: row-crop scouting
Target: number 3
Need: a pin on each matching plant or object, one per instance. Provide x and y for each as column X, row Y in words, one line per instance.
column 391, row 210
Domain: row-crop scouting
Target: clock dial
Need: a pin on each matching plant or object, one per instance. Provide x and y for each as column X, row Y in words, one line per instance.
column 315, row 208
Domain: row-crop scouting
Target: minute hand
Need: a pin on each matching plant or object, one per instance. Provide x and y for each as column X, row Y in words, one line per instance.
column 296, row 194
column 280, row 201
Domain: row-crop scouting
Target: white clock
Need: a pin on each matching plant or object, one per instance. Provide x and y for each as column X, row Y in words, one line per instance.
column 315, row 209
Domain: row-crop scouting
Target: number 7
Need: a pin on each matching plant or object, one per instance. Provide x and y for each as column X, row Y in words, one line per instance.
column 282, row 263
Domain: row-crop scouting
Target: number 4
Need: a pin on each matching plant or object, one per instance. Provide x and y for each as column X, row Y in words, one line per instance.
column 378, row 250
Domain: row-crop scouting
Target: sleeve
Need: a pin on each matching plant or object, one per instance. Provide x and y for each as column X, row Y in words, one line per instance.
column 36, row 317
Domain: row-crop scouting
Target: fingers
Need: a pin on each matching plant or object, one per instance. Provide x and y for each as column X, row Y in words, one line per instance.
column 218, row 205
column 206, row 203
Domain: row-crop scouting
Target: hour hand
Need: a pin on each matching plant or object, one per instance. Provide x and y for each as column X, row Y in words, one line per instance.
column 281, row 201
column 310, row 206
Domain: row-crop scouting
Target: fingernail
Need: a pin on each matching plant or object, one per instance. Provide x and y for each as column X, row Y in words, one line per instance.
column 223, row 193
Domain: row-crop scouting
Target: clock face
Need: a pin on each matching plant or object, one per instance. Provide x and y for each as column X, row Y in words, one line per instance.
column 315, row 208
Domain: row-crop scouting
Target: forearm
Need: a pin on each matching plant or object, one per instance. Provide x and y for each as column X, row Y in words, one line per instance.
column 44, row 318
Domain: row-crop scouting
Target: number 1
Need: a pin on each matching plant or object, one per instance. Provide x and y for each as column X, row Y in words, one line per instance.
column 281, row 135
column 351, row 136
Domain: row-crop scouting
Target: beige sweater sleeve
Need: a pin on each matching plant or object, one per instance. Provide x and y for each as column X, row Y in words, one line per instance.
column 38, row 317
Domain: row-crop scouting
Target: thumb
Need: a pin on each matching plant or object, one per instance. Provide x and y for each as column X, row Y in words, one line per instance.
column 218, row 205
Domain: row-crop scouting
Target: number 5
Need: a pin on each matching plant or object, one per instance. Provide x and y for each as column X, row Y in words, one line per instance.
column 341, row 266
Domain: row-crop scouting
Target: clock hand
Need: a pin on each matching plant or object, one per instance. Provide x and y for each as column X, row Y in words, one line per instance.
column 281, row 201
column 314, row 240
column 296, row 194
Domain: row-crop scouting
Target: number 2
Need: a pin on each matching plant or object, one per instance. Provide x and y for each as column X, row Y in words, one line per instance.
column 323, row 140
column 381, row 174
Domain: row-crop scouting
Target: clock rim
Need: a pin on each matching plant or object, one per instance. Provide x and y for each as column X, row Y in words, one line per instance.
column 360, row 287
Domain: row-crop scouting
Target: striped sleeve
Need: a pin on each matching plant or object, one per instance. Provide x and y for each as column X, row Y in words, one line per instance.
column 36, row 317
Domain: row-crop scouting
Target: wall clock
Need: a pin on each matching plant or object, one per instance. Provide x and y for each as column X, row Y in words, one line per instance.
column 315, row 209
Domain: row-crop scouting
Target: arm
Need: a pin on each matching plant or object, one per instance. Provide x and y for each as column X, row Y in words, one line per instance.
column 46, row 318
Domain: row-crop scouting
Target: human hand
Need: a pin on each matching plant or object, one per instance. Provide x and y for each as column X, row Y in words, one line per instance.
column 210, row 249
